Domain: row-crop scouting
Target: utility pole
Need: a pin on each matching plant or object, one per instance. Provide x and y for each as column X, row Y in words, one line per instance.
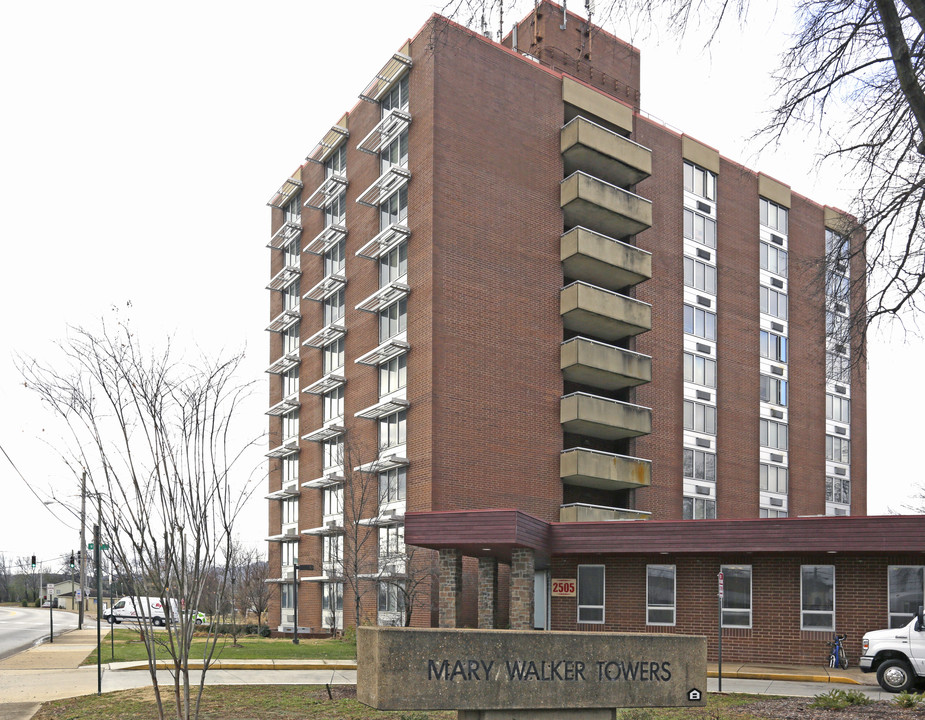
column 82, row 552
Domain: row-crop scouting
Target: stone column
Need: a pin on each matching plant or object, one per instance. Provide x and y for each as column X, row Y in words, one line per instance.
column 450, row 565
column 522, row 572
column 488, row 593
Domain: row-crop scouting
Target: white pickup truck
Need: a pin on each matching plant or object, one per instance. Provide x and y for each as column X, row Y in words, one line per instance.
column 897, row 655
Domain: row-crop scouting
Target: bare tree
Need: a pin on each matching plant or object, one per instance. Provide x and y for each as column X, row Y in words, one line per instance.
column 6, row 579
column 157, row 440
column 254, row 592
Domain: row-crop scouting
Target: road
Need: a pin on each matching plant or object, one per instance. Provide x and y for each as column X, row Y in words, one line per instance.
column 21, row 628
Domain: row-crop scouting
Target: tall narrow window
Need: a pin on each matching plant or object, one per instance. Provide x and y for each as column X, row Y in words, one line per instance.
column 699, row 181
column 699, row 465
column 394, row 209
column 392, row 430
column 393, row 264
column 393, row 319
column 332, row 356
column 393, row 375
column 737, row 595
column 333, row 307
column 817, row 592
column 699, row 228
column 591, row 594
column 660, row 594
column 392, row 485
column 699, row 417
column 772, row 215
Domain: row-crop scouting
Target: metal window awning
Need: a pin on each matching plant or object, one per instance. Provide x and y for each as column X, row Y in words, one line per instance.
column 289, row 447
column 332, row 527
column 328, row 144
column 286, row 405
column 326, row 192
column 327, row 480
column 386, row 77
column 386, row 130
column 284, row 278
column 384, row 241
column 325, row 433
column 386, row 462
column 327, row 334
column 326, row 239
column 384, row 296
column 328, row 285
column 332, row 578
column 383, row 408
column 329, row 382
column 283, row 538
column 285, row 320
column 386, row 519
column 285, row 363
column 285, row 234
column 390, row 181
column 287, row 190
column 391, row 348
column 283, row 494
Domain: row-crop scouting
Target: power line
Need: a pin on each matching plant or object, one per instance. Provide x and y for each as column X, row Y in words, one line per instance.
column 31, row 489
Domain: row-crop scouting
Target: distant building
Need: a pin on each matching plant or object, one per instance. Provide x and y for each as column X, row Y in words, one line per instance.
column 520, row 309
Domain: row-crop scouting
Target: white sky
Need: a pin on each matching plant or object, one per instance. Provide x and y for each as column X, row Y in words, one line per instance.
column 139, row 143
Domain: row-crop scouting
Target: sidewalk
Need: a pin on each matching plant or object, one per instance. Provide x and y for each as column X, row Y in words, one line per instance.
column 53, row 671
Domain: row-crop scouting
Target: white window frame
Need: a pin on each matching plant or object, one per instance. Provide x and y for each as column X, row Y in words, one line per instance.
column 706, row 282
column 700, row 326
column 772, row 302
column 777, row 433
column 694, row 453
column 765, row 471
column 699, row 506
column 906, row 617
column 725, row 569
column 804, row 612
column 696, row 224
column 699, row 370
column 702, row 417
column 650, row 607
column 603, row 588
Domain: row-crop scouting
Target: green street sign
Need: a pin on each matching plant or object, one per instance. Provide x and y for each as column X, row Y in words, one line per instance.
column 103, row 546
column 89, row 546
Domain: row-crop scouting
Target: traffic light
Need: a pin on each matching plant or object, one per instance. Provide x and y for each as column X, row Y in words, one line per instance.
column 72, row 561
column 33, row 562
column 78, row 557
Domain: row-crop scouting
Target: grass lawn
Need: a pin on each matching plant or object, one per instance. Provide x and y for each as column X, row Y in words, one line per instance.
column 129, row 646
column 311, row 702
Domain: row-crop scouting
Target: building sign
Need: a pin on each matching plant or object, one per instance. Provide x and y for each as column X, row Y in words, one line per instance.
column 411, row 669
column 564, row 587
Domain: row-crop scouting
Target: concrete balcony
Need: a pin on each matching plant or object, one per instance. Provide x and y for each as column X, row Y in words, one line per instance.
column 603, row 261
column 603, row 314
column 602, row 207
column 600, row 417
column 603, row 471
column 604, row 366
column 580, row 512
column 593, row 149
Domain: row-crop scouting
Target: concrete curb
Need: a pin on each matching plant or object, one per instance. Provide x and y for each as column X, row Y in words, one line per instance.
column 784, row 677
column 246, row 665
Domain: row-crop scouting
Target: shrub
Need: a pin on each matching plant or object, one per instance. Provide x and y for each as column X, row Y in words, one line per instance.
column 839, row 699
column 264, row 631
column 907, row 699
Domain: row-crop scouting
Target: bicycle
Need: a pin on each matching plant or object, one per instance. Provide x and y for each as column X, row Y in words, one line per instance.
column 838, row 658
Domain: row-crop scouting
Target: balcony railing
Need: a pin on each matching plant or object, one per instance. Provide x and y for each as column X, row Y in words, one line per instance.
column 603, row 207
column 599, row 365
column 602, row 470
column 603, row 261
column 603, row 313
column 582, row 512
column 601, row 417
column 603, row 153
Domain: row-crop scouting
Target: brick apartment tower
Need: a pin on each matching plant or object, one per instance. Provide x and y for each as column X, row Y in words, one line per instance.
column 496, row 284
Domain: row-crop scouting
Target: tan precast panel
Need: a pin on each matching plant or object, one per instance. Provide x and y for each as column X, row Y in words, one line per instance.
column 700, row 154
column 581, row 96
column 773, row 190
column 838, row 221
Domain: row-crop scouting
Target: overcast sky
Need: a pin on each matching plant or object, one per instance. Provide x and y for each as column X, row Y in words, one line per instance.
column 140, row 143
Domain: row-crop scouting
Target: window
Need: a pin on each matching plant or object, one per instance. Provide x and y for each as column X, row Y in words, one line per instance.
column 773, row 390
column 333, row 404
column 393, row 375
column 336, row 164
column 699, row 370
column 332, row 452
column 290, row 469
column 699, row 181
column 838, row 490
column 699, row 465
column 290, row 511
column 393, row 320
column 700, row 276
column 332, row 550
column 332, row 500
column 836, row 326
column 697, row 508
column 837, row 367
column 291, row 339
column 334, row 260
column 773, row 478
column 333, row 307
column 332, row 603
column 293, row 252
column 836, row 287
column 288, row 555
column 837, row 408
column 699, row 417
column 660, row 594
column 772, row 302
column 290, row 425
column 773, row 215
column 397, row 97
column 393, row 265
column 836, row 248
column 392, row 485
column 773, row 259
column 699, row 228
column 395, row 153
column 332, row 356
column 290, row 382
column 837, row 449
column 591, row 594
column 773, row 434
column 394, row 209
column 285, row 596
column 771, row 513
column 773, row 346
column 291, row 296
column 392, row 430
column 391, row 598
column 392, row 541
column 335, row 212
column 906, row 592
column 817, row 593
column 699, row 322
column 737, row 595
column 293, row 210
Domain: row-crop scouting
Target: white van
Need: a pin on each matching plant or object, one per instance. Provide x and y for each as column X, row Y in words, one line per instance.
column 137, row 608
